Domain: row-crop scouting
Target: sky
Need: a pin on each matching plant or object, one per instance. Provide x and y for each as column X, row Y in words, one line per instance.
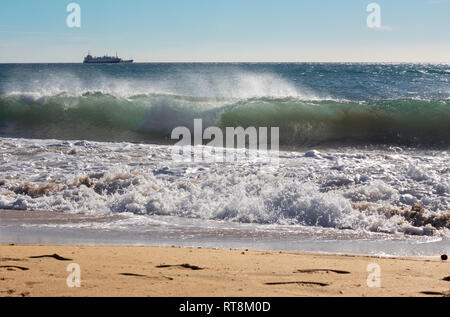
column 226, row 31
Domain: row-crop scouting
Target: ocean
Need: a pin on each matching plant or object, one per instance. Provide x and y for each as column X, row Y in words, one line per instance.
column 363, row 162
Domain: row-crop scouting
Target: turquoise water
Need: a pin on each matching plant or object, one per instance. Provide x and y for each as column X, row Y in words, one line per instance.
column 313, row 104
column 381, row 134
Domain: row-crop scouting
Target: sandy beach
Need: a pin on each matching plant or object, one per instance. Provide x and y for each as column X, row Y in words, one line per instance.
column 214, row 150
column 38, row 270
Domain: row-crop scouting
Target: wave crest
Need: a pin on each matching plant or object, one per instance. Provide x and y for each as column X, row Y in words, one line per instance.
column 147, row 117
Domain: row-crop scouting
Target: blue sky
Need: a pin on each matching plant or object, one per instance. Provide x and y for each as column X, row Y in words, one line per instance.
column 226, row 30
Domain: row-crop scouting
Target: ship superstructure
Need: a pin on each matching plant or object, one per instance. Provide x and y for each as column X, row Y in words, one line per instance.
column 89, row 59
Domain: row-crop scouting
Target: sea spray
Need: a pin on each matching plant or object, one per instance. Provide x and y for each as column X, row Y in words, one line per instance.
column 151, row 118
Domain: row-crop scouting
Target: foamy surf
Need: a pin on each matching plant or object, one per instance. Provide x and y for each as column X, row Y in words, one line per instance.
column 376, row 183
column 389, row 192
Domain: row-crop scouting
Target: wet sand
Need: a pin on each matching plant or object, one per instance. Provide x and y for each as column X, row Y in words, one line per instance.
column 37, row 270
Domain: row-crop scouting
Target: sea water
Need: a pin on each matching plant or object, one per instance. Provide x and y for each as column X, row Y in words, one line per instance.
column 86, row 155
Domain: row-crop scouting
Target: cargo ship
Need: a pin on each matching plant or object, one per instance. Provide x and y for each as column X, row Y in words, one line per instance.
column 89, row 59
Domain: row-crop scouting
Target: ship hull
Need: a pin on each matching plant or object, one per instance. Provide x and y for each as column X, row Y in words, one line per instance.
column 108, row 62
column 101, row 62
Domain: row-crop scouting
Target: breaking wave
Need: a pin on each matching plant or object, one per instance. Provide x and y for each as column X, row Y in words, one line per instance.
column 95, row 184
column 302, row 121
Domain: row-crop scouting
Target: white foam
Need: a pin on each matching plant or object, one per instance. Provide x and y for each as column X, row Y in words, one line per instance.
column 142, row 180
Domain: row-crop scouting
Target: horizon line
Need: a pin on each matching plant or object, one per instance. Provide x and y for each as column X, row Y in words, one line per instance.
column 252, row 62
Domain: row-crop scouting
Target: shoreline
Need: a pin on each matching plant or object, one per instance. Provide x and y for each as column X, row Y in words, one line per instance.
column 41, row 270
column 67, row 229
column 193, row 247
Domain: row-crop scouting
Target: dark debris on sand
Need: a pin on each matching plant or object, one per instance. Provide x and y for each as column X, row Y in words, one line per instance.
column 54, row 256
